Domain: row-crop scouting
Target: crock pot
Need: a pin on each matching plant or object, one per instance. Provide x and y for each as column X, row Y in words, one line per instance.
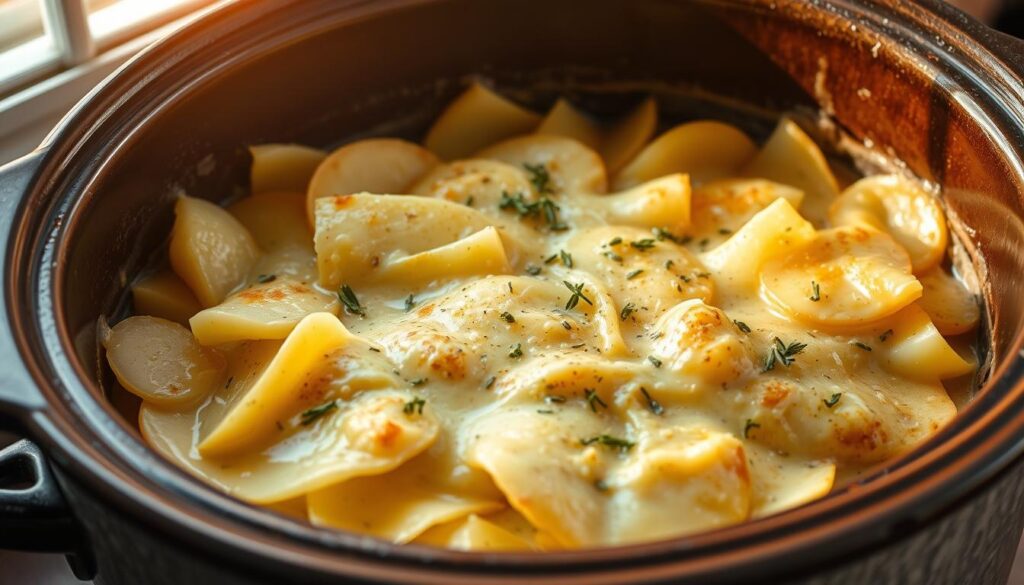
column 93, row 206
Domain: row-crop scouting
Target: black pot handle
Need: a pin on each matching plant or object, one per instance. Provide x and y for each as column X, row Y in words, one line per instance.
column 19, row 395
column 33, row 514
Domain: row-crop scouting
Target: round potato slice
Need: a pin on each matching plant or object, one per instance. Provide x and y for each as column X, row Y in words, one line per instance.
column 629, row 135
column 160, row 362
column 376, row 165
column 952, row 308
column 844, row 277
column 475, row 182
column 565, row 120
column 477, row 118
column 282, row 167
column 554, row 163
column 705, row 150
column 896, row 205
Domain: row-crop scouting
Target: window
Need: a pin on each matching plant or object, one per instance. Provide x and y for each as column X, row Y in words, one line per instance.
column 52, row 52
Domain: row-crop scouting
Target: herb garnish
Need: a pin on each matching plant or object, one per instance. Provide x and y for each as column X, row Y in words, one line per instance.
column 566, row 326
column 551, row 259
column 654, row 360
column 507, row 317
column 566, row 258
column 614, row 241
column 750, row 424
column 418, row 381
column 831, row 401
column 815, row 292
column 577, row 294
column 663, row 234
column 414, row 406
column 265, row 278
column 780, row 352
column 489, row 382
column 612, row 255
column 627, row 311
column 228, row 383
column 410, row 302
column 348, row 298
column 469, row 201
column 517, row 203
column 863, row 346
column 644, row 244
column 743, row 327
column 593, row 399
column 885, row 335
column 316, row 412
column 533, row 270
column 669, row 264
column 516, row 351
column 653, row 404
column 609, row 441
column 540, row 177
column 554, row 399
column 545, row 411
column 634, row 274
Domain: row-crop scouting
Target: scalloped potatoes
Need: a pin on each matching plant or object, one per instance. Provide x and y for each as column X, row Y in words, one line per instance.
column 496, row 353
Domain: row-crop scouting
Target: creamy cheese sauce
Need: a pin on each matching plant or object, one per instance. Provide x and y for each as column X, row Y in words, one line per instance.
column 547, row 333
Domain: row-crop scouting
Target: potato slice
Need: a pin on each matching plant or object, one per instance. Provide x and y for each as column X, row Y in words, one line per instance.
column 160, row 362
column 952, row 308
column 706, row 150
column 775, row 230
column 629, row 135
column 480, row 254
column 282, row 167
column 661, row 203
column 565, row 120
column 475, row 182
column 561, row 164
column 721, row 207
column 474, row 533
column 912, row 216
column 375, row 165
column 845, row 277
column 277, row 391
column 210, row 250
column 790, row 157
column 402, row 504
column 917, row 350
column 360, row 236
column 164, row 295
column 265, row 311
column 780, row 483
column 477, row 118
column 276, row 220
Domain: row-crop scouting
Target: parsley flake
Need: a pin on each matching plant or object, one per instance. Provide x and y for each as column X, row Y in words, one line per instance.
column 885, row 335
column 507, row 317
column 540, row 177
column 516, row 351
column 815, row 292
column 654, row 360
column 348, row 298
column 627, row 311
column 614, row 241
column 489, row 382
column 414, row 406
column 265, row 278
column 307, row 417
column 863, row 346
column 832, row 400
column 644, row 244
column 533, row 270
column 634, row 274
column 410, row 302
column 566, row 258
column 743, row 327
column 653, row 404
column 593, row 400
column 608, row 441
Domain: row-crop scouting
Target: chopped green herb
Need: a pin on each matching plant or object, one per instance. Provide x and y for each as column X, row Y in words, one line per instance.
column 507, row 317
column 609, row 441
column 653, row 404
column 374, row 350
column 863, row 346
column 832, row 400
column 601, row 485
column 549, row 209
column 742, row 326
column 593, row 400
column 885, row 335
column 615, row 241
column 228, row 383
column 654, row 360
column 533, row 270
column 566, row 258
column 724, row 231
column 612, row 256
column 554, row 399
column 815, row 292
column 265, row 278
column 414, row 406
column 351, row 302
column 418, row 381
column 634, row 274
column 410, row 302
column 545, row 411
column 750, row 424
column 669, row 264
column 703, row 275
column 627, row 311
column 517, row 203
column 469, row 201
column 577, row 294
column 663, row 234
column 703, row 243
column 489, row 382
column 644, row 244
column 307, row 417
column 516, row 351
column 780, row 352
column 540, row 177
column 684, row 278
column 551, row 259
column 510, row 287
column 566, row 325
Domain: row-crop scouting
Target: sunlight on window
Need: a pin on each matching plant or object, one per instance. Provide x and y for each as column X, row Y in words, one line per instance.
column 112, row 21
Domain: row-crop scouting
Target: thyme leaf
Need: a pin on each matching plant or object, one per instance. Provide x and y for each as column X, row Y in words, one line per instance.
column 348, row 298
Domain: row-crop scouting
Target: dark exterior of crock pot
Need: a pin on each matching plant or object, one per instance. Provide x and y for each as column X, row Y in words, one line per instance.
column 93, row 206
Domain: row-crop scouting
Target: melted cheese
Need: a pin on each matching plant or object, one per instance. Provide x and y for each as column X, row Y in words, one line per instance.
column 496, row 354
